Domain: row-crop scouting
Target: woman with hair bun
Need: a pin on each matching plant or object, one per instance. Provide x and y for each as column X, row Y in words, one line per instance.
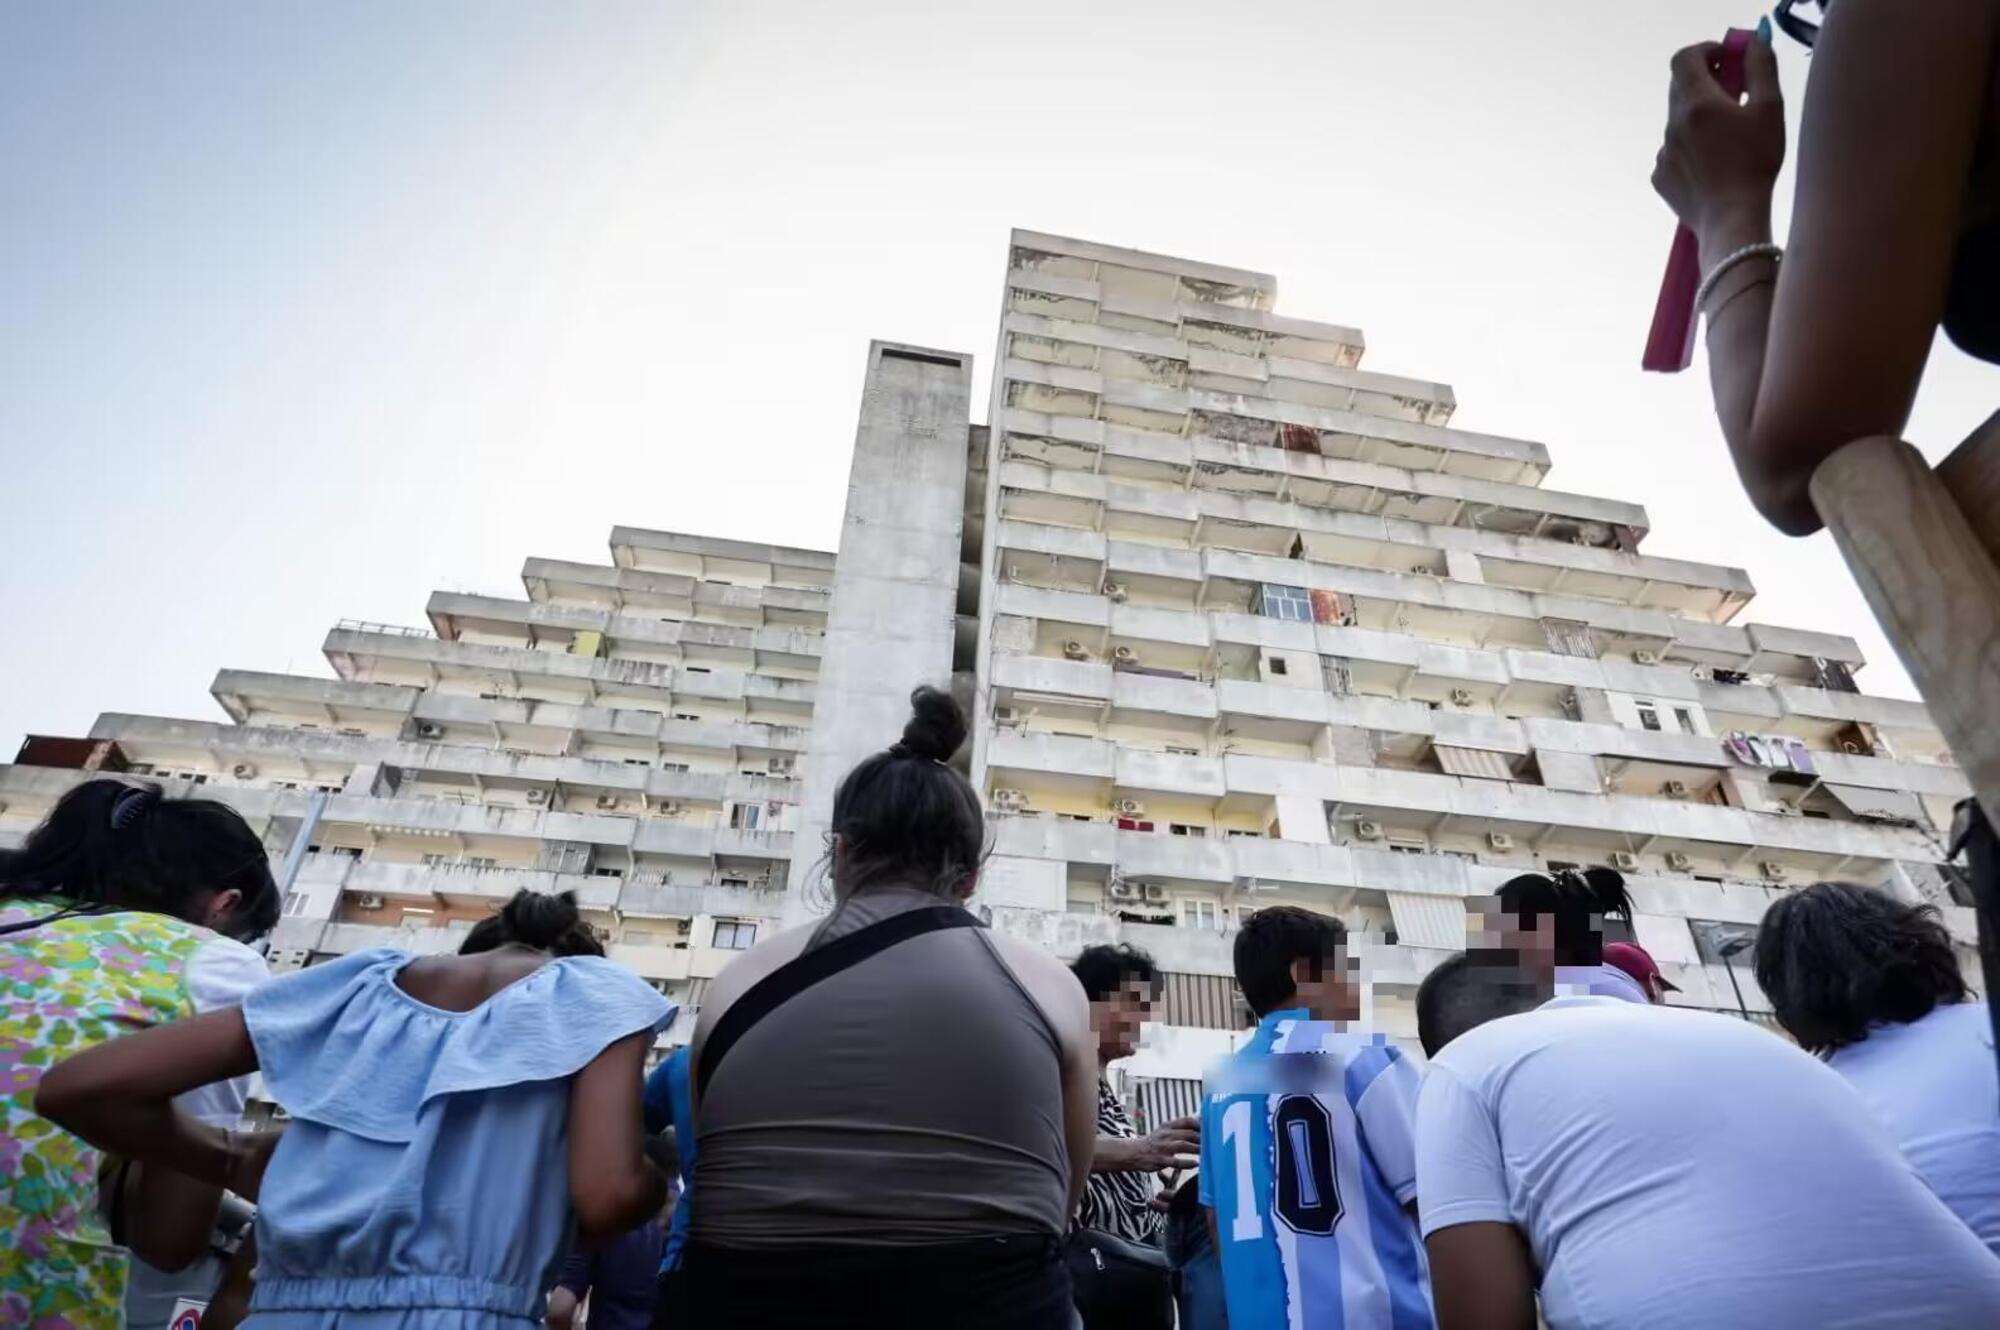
column 895, row 1107
column 453, row 1119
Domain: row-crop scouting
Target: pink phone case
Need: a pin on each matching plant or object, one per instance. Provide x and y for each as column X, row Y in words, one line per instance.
column 1670, row 342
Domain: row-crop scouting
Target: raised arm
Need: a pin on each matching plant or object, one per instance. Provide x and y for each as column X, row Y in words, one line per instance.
column 1829, row 347
column 119, row 1097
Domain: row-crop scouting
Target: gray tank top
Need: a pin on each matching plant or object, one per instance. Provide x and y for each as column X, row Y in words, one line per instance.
column 913, row 1098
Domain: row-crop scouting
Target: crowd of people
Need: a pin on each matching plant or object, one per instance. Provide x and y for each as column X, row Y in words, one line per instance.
column 899, row 1117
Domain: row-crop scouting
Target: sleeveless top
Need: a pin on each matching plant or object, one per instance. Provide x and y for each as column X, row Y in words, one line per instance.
column 914, row 1098
column 424, row 1180
column 70, row 984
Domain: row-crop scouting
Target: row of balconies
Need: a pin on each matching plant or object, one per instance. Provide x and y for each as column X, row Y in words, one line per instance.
column 1239, row 416
column 1175, row 361
column 711, row 558
column 446, row 717
column 1528, row 813
column 635, row 895
column 530, row 622
column 271, row 753
column 1084, row 562
column 1301, row 714
column 1337, row 484
column 656, row 594
column 29, row 792
column 1248, row 522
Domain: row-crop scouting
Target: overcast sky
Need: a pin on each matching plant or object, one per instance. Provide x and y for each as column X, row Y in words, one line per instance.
column 307, row 310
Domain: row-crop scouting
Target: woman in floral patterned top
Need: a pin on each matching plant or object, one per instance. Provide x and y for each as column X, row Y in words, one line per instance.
column 120, row 911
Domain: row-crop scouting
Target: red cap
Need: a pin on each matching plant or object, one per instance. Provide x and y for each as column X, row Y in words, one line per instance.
column 1634, row 960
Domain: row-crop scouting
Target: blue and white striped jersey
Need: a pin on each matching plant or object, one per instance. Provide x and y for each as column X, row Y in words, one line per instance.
column 1308, row 1162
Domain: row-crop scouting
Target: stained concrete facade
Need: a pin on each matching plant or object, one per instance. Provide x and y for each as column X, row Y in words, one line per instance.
column 1238, row 622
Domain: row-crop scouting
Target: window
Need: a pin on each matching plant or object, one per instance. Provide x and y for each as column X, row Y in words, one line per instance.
column 1081, row 905
column 740, row 882
column 295, row 904
column 1133, row 824
column 1187, row 829
column 734, row 935
column 1179, row 751
column 607, row 872
column 1238, row 831
column 744, row 817
column 685, row 715
column 674, row 766
column 1200, row 914
column 636, row 762
column 1287, row 602
column 1686, row 718
column 435, row 860
column 1277, row 664
column 1407, row 846
column 481, row 861
column 1649, row 716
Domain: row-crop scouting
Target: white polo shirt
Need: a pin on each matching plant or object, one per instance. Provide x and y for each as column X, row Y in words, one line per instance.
column 1933, row 1083
column 1673, row 1168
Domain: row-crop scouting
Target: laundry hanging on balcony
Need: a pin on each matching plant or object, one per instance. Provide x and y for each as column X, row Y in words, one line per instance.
column 1335, row 608
column 1774, row 751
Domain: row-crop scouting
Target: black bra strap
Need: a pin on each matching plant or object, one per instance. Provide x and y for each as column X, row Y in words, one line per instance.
column 795, row 976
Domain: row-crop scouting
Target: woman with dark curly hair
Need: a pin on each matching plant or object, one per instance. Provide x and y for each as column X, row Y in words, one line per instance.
column 1871, row 985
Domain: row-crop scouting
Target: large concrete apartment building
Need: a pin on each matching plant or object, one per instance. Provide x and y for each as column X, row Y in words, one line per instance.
column 1240, row 623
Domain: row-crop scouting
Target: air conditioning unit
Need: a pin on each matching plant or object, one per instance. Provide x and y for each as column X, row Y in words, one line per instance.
column 1702, row 673
column 368, row 900
column 1499, row 841
column 666, row 808
column 1156, row 893
column 780, row 766
column 1367, row 829
column 1645, row 657
column 1073, row 650
column 1125, row 656
column 1624, row 861
column 1461, row 697
column 1129, row 808
column 607, row 801
column 1772, row 870
column 1115, row 590
column 243, row 771
column 429, row 730
column 1010, row 801
column 1006, row 715
column 1680, row 862
column 1674, row 789
column 1123, row 891
column 536, row 798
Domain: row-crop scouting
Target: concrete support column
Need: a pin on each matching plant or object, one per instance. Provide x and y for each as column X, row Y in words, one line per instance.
column 894, row 611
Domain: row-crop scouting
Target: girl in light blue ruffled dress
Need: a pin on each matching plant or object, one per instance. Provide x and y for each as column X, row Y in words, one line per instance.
column 456, row 1121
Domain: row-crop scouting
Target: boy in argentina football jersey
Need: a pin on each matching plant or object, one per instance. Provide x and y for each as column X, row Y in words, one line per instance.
column 1307, row 1160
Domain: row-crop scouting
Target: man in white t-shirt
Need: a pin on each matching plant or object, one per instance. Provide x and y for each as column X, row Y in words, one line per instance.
column 220, row 973
column 1649, row 1166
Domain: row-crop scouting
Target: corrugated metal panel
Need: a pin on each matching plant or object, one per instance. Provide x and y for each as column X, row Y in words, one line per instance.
column 1207, row 1001
column 1157, row 1101
column 1481, row 762
column 1428, row 921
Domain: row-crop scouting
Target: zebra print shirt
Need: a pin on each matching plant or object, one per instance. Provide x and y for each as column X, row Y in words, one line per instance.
column 1119, row 1203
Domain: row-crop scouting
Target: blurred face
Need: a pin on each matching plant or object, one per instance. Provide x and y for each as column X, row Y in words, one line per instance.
column 1329, row 988
column 1115, row 1020
column 1533, row 940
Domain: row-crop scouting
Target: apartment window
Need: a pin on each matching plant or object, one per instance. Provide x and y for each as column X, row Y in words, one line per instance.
column 734, row 935
column 1406, row 846
column 1187, row 829
column 685, row 715
column 674, row 766
column 1239, row 832
column 1287, row 602
column 1686, row 718
column 1201, row 914
column 607, row 872
column 1078, row 817
column 1278, row 665
column 1082, row 905
column 1649, row 716
column 744, row 817
column 743, row 883
column 636, row 762
column 295, row 903
column 1133, row 824
column 1178, row 751
column 481, row 861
